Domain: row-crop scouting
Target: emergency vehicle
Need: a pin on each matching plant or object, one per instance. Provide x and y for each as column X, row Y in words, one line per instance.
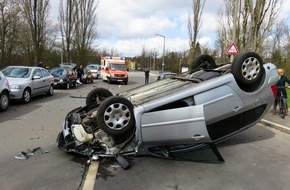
column 113, row 69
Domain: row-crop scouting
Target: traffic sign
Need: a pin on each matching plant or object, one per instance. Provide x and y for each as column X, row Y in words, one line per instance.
column 233, row 49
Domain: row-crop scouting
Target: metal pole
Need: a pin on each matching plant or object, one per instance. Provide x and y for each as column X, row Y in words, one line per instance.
column 61, row 57
column 235, row 25
column 163, row 50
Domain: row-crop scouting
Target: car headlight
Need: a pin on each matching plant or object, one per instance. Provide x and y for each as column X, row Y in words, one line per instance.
column 61, row 80
column 15, row 86
column 111, row 75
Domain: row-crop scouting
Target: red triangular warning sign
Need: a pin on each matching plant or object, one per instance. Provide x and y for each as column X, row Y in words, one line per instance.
column 233, row 49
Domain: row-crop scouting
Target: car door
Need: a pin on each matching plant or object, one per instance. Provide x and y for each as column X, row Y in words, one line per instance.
column 223, row 110
column 37, row 83
column 184, row 125
column 47, row 80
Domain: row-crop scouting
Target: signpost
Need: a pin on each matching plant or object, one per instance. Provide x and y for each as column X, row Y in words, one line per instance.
column 233, row 49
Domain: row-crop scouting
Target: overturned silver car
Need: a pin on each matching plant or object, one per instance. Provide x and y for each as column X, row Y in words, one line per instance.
column 178, row 114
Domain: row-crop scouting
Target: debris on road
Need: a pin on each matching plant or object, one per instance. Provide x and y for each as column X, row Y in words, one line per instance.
column 24, row 155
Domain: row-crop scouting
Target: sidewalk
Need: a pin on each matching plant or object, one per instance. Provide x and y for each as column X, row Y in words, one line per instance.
column 275, row 121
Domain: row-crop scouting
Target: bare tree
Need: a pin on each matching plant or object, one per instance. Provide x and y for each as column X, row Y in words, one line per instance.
column 193, row 24
column 85, row 28
column 9, row 22
column 67, row 14
column 256, row 18
column 35, row 13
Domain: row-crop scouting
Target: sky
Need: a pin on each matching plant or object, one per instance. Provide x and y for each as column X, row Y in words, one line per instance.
column 128, row 26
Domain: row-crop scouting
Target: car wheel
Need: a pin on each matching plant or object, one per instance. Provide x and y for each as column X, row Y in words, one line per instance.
column 97, row 95
column 109, row 81
column 26, row 96
column 115, row 116
column 248, row 71
column 203, row 62
column 75, row 83
column 67, row 85
column 50, row 90
column 4, row 101
column 126, row 82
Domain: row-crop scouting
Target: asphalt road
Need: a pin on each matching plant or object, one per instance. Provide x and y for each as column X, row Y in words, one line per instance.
column 258, row 158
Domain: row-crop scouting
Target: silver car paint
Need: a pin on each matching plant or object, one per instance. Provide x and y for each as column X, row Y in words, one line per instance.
column 225, row 96
column 37, row 86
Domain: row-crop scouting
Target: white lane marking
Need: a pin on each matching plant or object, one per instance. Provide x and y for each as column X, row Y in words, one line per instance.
column 91, row 176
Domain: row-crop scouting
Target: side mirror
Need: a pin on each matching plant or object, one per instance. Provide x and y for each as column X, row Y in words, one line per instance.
column 36, row 77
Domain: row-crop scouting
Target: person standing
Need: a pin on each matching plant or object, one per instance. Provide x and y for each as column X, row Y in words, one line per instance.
column 147, row 71
column 281, row 90
column 80, row 73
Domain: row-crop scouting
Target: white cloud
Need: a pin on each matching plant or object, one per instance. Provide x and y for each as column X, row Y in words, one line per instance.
column 128, row 25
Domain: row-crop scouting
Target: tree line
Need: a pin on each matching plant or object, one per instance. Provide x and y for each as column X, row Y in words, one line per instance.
column 28, row 37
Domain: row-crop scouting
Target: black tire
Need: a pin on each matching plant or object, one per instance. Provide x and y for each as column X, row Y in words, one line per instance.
column 74, row 83
column 126, row 82
column 97, row 95
column 248, row 71
column 203, row 62
column 109, row 81
column 4, row 101
column 26, row 96
column 67, row 85
column 50, row 90
column 282, row 108
column 115, row 116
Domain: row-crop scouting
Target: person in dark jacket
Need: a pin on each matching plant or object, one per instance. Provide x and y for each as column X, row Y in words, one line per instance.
column 80, row 73
column 281, row 90
column 147, row 71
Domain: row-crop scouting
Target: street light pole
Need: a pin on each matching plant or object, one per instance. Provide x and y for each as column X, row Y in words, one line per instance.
column 234, row 25
column 163, row 50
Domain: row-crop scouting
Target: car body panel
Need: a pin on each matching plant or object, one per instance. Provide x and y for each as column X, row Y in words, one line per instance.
column 174, row 126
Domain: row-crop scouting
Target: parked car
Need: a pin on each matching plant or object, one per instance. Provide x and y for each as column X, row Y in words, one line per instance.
column 95, row 70
column 174, row 115
column 26, row 82
column 4, row 92
column 88, row 77
column 166, row 75
column 71, row 65
column 64, row 77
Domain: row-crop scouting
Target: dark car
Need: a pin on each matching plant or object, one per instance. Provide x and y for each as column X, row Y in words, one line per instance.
column 64, row 77
column 166, row 75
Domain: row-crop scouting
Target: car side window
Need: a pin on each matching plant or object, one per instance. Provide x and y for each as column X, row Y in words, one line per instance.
column 37, row 72
column 45, row 73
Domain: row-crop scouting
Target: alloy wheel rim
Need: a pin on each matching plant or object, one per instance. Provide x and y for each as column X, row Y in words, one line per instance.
column 26, row 96
column 250, row 68
column 4, row 101
column 117, row 116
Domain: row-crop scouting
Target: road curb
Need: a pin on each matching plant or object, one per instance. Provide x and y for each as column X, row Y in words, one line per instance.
column 275, row 126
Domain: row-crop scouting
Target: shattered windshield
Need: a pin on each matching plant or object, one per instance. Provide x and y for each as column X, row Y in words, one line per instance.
column 17, row 72
column 120, row 67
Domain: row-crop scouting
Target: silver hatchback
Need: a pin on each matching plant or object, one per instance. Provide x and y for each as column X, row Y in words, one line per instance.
column 4, row 92
column 26, row 82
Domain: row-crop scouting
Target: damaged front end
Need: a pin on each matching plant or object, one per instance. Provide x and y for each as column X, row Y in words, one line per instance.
column 82, row 135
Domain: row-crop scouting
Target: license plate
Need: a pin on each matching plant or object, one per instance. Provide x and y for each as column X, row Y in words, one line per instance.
column 119, row 80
